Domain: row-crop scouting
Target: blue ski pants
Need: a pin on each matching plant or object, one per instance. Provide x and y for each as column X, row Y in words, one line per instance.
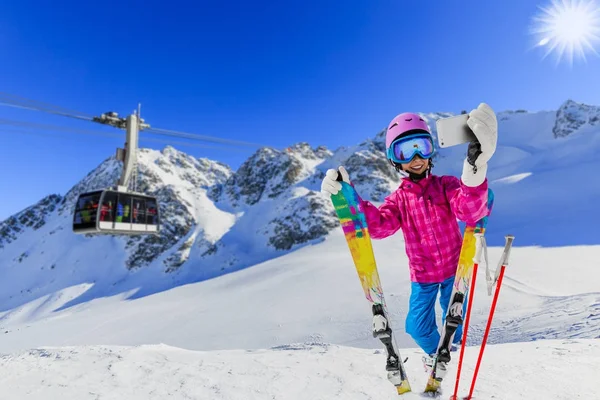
column 420, row 321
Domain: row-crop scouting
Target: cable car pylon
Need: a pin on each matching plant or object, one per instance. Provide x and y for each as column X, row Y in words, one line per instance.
column 118, row 210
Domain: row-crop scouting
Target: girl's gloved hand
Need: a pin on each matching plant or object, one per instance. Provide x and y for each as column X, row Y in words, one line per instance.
column 330, row 185
column 484, row 125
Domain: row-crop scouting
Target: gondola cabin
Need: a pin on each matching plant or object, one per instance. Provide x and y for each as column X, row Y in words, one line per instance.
column 118, row 213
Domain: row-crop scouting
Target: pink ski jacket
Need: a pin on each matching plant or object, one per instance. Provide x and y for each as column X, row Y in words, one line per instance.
column 427, row 212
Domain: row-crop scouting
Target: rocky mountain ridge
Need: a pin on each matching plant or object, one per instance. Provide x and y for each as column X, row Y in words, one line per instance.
column 216, row 219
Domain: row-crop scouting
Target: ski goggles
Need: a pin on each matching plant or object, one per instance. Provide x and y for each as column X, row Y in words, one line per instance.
column 404, row 149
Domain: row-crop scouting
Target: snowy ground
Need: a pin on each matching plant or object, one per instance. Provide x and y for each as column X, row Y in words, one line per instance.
column 556, row 369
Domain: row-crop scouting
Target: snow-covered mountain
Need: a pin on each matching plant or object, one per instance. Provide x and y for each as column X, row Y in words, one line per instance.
column 216, row 220
column 572, row 116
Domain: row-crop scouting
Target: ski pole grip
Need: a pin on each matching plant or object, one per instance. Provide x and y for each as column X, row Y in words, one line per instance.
column 509, row 239
column 506, row 254
column 339, row 177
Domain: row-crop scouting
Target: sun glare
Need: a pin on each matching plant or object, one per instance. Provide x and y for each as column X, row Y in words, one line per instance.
column 569, row 28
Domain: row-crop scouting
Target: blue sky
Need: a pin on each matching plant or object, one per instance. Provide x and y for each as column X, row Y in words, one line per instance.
column 274, row 72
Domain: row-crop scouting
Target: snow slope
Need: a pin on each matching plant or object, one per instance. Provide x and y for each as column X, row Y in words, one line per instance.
column 310, row 295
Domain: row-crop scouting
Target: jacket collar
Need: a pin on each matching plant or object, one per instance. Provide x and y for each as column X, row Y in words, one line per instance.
column 415, row 187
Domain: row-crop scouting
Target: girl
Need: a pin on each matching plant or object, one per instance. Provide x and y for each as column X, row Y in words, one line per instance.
column 426, row 208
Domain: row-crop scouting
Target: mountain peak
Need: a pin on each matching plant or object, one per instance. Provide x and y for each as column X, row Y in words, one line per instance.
column 571, row 116
column 304, row 150
column 168, row 149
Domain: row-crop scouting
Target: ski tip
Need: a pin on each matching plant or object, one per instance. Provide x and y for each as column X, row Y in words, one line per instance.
column 404, row 387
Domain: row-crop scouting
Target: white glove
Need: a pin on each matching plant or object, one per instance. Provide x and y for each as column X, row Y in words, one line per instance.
column 330, row 185
column 484, row 125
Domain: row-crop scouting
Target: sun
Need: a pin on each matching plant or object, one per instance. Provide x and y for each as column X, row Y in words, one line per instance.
column 569, row 28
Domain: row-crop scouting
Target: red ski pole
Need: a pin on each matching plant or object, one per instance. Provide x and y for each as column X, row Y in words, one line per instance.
column 476, row 259
column 504, row 263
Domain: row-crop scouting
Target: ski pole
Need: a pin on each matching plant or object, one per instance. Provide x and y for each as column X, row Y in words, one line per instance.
column 479, row 243
column 505, row 255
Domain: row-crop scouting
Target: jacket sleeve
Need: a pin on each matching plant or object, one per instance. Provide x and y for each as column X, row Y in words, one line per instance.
column 468, row 204
column 385, row 220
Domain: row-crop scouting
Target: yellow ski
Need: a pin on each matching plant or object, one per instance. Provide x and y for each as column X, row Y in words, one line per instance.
column 356, row 231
